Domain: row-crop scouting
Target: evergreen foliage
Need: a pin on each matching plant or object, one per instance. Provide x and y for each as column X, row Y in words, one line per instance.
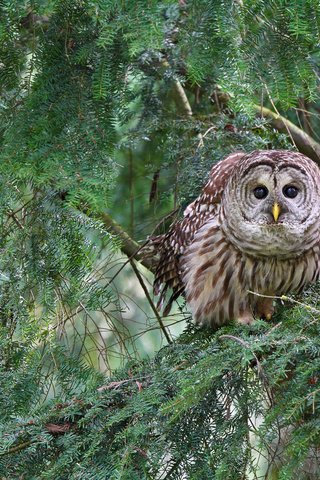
column 122, row 107
column 192, row 412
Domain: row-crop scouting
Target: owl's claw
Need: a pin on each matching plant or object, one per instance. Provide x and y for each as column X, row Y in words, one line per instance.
column 246, row 318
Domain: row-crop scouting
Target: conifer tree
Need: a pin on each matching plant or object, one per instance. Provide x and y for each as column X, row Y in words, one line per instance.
column 111, row 115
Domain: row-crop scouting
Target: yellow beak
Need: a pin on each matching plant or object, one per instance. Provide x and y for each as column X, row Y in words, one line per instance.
column 276, row 211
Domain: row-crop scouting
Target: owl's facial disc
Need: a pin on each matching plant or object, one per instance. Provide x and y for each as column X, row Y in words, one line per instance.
column 274, row 198
column 272, row 209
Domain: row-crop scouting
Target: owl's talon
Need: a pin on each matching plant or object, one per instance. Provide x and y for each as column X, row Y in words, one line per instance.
column 246, row 319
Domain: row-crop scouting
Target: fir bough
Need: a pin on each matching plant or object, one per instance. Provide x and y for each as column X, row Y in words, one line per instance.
column 200, row 409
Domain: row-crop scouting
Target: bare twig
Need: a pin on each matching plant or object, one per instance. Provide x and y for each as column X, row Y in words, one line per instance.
column 284, row 298
column 152, row 305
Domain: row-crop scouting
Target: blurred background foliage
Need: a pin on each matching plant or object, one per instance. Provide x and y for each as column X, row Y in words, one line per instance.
column 115, row 111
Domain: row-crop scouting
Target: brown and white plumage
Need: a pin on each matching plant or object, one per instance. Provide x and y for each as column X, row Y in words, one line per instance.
column 230, row 242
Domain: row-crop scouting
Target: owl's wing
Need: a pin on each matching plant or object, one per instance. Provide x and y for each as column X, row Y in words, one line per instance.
column 172, row 245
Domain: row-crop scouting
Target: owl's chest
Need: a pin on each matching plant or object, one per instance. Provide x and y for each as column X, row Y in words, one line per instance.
column 213, row 269
column 218, row 277
column 275, row 276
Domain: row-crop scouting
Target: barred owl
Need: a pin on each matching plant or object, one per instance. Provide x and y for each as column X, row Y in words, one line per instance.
column 254, row 228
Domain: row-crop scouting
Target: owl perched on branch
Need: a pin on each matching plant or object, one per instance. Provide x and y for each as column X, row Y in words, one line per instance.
column 254, row 228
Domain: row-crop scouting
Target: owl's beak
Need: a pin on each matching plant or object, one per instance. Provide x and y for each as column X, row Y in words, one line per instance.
column 276, row 210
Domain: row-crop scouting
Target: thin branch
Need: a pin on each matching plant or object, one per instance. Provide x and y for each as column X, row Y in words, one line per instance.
column 152, row 305
column 16, row 448
column 129, row 246
column 284, row 298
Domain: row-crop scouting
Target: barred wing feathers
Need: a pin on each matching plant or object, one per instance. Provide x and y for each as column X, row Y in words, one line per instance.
column 173, row 244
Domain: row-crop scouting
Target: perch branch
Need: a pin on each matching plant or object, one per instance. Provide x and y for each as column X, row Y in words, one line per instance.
column 284, row 298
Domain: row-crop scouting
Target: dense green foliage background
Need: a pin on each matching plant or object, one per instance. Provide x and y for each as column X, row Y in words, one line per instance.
column 114, row 111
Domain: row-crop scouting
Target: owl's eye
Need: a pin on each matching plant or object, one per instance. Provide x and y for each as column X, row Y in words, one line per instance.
column 260, row 192
column 290, row 191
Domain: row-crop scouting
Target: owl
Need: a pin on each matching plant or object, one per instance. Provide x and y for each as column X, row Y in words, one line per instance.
column 253, row 233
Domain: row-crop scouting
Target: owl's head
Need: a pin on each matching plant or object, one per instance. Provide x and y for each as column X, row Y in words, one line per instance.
column 271, row 204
